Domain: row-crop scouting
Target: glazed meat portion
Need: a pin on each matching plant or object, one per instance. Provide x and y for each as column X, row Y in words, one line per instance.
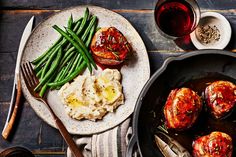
column 182, row 108
column 216, row 144
column 220, row 98
column 109, row 46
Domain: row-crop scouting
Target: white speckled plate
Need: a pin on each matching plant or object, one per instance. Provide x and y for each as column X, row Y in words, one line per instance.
column 134, row 74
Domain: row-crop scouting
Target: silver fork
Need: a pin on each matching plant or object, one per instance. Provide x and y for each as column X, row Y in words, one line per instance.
column 31, row 82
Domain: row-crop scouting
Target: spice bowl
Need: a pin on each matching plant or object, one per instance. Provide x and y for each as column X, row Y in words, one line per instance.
column 213, row 32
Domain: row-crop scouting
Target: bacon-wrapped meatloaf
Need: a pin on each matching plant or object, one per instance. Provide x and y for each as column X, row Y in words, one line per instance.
column 182, row 108
column 220, row 98
column 216, row 144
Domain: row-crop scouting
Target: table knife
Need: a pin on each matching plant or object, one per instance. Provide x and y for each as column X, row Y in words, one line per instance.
column 16, row 91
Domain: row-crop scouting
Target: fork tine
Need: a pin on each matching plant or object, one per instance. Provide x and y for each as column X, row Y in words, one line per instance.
column 31, row 73
column 34, row 75
column 25, row 75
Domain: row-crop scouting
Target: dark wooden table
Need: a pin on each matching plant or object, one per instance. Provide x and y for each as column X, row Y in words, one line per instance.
column 31, row 131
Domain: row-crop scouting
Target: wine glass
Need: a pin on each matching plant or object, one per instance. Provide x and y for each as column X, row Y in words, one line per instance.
column 176, row 18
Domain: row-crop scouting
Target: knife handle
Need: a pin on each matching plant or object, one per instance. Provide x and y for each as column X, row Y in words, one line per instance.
column 7, row 130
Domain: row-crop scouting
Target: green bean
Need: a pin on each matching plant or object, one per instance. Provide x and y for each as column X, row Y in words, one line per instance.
column 74, row 29
column 78, row 22
column 63, row 63
column 59, row 74
column 62, row 67
column 79, row 62
column 85, row 19
column 41, row 76
column 71, row 77
column 84, row 49
column 67, row 69
column 39, row 72
column 37, row 60
column 67, row 53
column 70, row 25
column 42, row 62
column 60, row 70
column 49, row 61
column 91, row 24
column 68, row 47
column 39, row 65
column 62, row 74
column 75, row 45
column 51, row 70
column 74, row 64
column 70, row 21
column 91, row 33
column 44, row 88
column 47, row 52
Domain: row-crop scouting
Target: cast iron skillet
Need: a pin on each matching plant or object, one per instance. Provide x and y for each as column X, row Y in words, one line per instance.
column 194, row 70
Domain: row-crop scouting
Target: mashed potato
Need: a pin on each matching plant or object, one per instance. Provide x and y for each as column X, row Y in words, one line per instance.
column 91, row 97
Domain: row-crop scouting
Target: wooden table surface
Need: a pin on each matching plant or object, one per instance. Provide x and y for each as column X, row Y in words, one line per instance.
column 31, row 131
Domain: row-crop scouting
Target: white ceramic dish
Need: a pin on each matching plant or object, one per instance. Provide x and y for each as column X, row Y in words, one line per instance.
column 134, row 74
column 223, row 25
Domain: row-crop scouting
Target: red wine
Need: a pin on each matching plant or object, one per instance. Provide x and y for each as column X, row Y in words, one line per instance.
column 175, row 18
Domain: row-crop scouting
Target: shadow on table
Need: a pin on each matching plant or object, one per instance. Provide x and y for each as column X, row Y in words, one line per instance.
column 185, row 43
column 231, row 44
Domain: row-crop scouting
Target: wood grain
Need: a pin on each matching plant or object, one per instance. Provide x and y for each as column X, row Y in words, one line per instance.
column 12, row 24
column 117, row 4
column 31, row 132
column 142, row 21
column 6, row 76
column 44, row 152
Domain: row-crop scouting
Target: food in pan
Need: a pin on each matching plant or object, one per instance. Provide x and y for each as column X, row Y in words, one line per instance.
column 109, row 46
column 220, row 98
column 91, row 97
column 182, row 108
column 216, row 144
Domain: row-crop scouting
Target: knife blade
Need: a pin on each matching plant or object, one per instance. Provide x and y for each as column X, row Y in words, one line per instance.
column 16, row 91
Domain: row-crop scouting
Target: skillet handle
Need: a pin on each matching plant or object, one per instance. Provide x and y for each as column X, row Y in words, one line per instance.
column 131, row 146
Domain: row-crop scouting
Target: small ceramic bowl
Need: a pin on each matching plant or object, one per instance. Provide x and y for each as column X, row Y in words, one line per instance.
column 213, row 32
